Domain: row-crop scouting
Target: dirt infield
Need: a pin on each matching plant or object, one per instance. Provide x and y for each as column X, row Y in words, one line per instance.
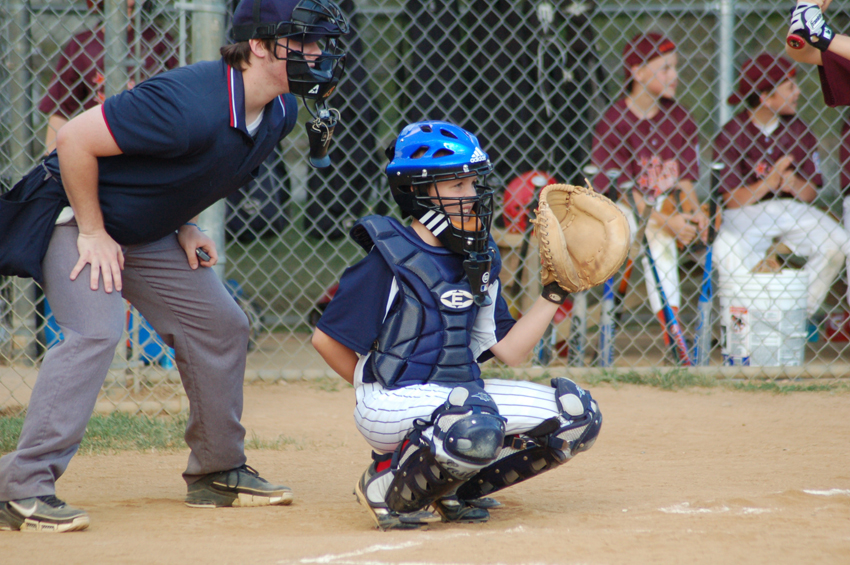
column 696, row 476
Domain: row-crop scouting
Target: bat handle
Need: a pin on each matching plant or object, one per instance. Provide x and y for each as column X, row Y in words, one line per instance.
column 794, row 41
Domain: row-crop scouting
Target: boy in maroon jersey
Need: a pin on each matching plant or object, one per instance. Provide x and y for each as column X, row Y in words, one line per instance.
column 772, row 175
column 831, row 53
column 78, row 82
column 652, row 141
column 811, row 40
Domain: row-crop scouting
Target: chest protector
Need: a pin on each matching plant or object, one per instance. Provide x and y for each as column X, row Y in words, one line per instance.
column 426, row 335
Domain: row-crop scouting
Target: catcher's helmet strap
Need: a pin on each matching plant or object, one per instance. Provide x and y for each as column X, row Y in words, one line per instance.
column 477, row 269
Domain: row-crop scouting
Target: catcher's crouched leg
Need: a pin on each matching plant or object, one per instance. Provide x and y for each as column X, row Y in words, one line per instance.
column 434, row 459
column 371, row 491
column 549, row 445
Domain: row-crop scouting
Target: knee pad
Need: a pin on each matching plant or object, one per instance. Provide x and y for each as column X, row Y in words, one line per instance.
column 549, row 445
column 580, row 418
column 466, row 436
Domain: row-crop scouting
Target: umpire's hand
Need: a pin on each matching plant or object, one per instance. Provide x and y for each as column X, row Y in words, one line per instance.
column 105, row 257
column 191, row 239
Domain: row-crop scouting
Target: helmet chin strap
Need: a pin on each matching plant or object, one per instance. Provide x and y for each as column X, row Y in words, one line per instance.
column 320, row 132
column 476, row 265
column 477, row 269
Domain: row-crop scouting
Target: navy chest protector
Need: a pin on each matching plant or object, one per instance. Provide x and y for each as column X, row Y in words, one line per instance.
column 426, row 335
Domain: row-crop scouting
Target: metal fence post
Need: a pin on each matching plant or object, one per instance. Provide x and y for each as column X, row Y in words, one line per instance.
column 726, row 62
column 115, row 53
column 208, row 21
column 20, row 160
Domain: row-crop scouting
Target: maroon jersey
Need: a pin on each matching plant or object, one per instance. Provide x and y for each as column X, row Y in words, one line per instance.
column 78, row 82
column 835, row 79
column 749, row 154
column 655, row 153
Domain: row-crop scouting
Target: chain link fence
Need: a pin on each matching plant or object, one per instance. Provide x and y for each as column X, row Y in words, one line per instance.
column 535, row 80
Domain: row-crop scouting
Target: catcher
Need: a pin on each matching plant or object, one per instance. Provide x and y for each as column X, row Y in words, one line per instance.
column 412, row 320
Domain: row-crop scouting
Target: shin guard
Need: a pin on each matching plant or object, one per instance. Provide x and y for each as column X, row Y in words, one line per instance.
column 549, row 445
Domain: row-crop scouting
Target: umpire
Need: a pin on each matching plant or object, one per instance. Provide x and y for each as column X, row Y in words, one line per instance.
column 110, row 215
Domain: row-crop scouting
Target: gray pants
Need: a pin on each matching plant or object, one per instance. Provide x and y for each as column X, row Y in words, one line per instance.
column 190, row 310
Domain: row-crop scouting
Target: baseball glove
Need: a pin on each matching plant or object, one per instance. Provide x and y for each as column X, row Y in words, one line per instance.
column 584, row 238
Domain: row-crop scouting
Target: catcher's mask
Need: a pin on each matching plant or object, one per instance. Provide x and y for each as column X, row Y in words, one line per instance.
column 427, row 153
column 303, row 21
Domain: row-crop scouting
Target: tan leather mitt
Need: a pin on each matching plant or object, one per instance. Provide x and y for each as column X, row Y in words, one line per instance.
column 584, row 237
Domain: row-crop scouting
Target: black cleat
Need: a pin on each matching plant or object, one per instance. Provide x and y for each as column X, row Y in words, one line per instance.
column 454, row 510
column 241, row 486
column 41, row 514
column 385, row 518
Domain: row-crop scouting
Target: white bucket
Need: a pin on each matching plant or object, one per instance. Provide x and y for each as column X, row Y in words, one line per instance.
column 763, row 318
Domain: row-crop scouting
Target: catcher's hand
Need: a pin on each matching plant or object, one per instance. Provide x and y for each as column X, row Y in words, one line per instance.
column 583, row 236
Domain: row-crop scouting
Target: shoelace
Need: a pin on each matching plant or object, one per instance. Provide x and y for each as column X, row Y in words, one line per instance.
column 51, row 500
column 241, row 469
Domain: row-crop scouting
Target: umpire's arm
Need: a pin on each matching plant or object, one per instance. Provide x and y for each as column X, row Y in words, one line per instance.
column 78, row 144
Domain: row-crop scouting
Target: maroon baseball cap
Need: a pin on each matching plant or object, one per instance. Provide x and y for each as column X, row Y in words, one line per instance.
column 762, row 73
column 643, row 48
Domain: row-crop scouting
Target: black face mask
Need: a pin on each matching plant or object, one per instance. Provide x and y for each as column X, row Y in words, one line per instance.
column 312, row 21
column 465, row 234
column 315, row 78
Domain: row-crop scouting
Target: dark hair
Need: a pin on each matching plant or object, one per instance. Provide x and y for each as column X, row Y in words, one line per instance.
column 754, row 98
column 238, row 55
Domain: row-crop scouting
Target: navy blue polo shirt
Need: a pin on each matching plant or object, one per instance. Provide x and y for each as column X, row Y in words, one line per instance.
column 185, row 145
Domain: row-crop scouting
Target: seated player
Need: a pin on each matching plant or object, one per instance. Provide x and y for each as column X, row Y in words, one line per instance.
column 771, row 177
column 408, row 327
column 650, row 143
column 811, row 40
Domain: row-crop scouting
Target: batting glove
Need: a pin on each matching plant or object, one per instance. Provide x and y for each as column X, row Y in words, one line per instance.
column 807, row 24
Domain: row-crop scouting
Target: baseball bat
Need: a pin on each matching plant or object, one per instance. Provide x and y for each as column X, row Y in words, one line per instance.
column 577, row 342
column 606, row 314
column 612, row 296
column 578, row 330
column 539, row 182
column 795, row 41
column 546, row 345
column 702, row 343
column 634, row 252
column 676, row 337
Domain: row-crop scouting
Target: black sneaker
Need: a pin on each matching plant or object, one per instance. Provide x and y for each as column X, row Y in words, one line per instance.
column 484, row 502
column 241, row 486
column 41, row 514
column 452, row 509
column 385, row 518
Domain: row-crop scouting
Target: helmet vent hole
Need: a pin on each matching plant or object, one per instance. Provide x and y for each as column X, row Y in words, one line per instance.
column 419, row 152
column 426, row 128
column 443, row 153
column 447, row 133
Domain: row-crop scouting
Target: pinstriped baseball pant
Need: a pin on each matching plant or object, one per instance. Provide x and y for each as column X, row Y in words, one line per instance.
column 385, row 416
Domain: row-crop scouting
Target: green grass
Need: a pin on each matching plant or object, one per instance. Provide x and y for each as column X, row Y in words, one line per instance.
column 680, row 379
column 113, row 433
column 784, row 387
column 278, row 444
column 328, row 384
column 674, row 379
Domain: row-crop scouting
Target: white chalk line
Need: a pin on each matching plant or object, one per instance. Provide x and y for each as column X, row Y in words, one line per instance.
column 350, row 558
column 830, row 492
column 330, row 558
column 685, row 508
